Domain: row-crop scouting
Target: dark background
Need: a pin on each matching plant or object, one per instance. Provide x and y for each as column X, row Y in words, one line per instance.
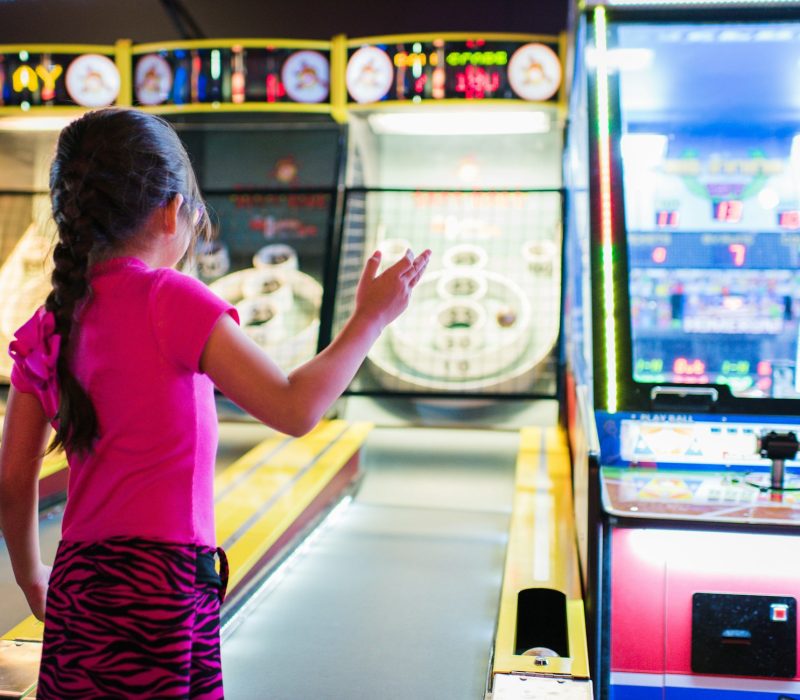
column 105, row 21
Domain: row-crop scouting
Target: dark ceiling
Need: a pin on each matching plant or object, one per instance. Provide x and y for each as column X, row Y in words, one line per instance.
column 104, row 21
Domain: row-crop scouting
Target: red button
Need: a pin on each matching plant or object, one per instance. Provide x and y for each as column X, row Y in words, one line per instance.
column 778, row 612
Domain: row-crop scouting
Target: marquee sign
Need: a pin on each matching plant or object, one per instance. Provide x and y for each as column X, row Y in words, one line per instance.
column 58, row 78
column 472, row 69
column 234, row 74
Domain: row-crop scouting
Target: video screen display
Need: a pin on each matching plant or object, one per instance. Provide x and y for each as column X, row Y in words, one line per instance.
column 714, row 259
column 711, row 169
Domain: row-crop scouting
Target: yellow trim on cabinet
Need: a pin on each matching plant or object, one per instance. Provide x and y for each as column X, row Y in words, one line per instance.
column 251, row 43
column 212, row 107
column 448, row 36
column 59, row 48
column 125, row 67
column 338, row 86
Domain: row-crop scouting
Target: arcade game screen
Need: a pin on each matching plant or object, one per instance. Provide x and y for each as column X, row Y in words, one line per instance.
column 269, row 189
column 712, row 204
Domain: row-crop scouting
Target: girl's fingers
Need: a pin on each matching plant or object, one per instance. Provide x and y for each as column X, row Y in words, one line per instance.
column 404, row 264
column 415, row 273
column 419, row 264
column 373, row 263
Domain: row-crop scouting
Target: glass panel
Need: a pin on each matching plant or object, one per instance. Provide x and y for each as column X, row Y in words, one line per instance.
column 577, row 294
column 711, row 158
column 25, row 158
column 456, row 150
column 485, row 318
column 27, row 234
column 246, row 156
column 269, row 260
column 269, row 190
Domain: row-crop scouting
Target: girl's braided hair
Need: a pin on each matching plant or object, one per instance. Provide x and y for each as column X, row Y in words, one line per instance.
column 112, row 169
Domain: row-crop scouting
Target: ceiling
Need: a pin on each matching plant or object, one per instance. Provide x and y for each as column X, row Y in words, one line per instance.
column 104, row 21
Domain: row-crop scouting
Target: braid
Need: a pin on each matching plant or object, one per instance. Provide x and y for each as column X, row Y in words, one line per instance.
column 77, row 420
column 111, row 170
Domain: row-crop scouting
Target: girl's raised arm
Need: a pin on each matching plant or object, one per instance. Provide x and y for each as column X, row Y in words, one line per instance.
column 295, row 403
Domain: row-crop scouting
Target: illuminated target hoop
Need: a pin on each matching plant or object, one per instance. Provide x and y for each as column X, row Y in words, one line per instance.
column 462, row 284
column 534, row 72
column 277, row 256
column 462, row 338
column 300, row 318
column 306, row 77
column 212, row 260
column 153, row 79
column 93, row 80
column 539, row 256
column 267, row 282
column 262, row 320
column 465, row 256
column 369, row 74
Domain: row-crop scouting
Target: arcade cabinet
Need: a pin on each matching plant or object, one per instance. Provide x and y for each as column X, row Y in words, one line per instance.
column 682, row 315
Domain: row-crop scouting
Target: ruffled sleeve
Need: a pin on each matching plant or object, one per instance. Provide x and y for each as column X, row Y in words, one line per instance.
column 35, row 354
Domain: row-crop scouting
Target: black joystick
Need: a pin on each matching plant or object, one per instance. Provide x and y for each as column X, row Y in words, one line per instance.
column 778, row 447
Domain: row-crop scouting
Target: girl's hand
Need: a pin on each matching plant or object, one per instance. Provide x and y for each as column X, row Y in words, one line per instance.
column 36, row 591
column 384, row 297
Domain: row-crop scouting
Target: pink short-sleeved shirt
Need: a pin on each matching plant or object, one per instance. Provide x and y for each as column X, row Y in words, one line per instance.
column 139, row 341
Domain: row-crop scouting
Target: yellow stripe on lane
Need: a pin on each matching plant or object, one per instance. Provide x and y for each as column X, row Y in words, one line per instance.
column 246, row 462
column 265, row 532
column 284, row 459
column 542, row 553
column 29, row 630
column 244, row 500
column 52, row 464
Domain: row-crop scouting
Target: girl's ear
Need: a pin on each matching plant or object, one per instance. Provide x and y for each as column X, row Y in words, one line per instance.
column 170, row 213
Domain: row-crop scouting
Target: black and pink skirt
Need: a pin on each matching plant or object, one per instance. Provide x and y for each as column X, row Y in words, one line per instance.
column 133, row 618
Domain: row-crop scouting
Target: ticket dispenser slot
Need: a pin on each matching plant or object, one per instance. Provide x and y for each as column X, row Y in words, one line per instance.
column 744, row 635
column 542, row 623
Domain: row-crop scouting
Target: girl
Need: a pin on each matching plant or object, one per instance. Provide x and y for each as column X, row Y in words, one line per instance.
column 121, row 361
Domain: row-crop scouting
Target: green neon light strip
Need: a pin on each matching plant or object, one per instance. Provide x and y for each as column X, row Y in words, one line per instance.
column 606, row 220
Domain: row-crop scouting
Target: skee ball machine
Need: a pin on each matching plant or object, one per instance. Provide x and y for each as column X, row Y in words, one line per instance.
column 455, row 144
column 682, row 316
column 42, row 88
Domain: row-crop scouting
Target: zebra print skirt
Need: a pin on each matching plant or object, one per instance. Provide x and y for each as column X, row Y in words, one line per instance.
column 132, row 618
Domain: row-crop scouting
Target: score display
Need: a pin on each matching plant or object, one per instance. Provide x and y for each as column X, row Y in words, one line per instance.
column 232, row 75
column 729, row 211
column 58, row 78
column 473, row 69
column 716, row 308
column 714, row 261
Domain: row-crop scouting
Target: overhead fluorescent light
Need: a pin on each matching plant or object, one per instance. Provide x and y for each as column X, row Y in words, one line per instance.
column 458, row 123
column 622, row 59
column 643, row 150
